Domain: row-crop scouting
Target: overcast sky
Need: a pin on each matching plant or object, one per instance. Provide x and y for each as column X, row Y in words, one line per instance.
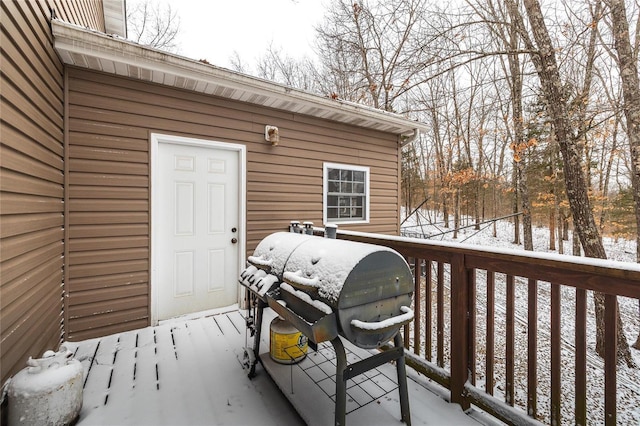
column 214, row 29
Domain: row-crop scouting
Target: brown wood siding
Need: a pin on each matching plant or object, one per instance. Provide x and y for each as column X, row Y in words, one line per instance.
column 111, row 119
column 31, row 177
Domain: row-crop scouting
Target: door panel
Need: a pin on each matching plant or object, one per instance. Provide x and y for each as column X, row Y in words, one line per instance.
column 198, row 201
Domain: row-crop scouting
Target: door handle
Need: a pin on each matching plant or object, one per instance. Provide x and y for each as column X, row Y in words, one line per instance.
column 234, row 240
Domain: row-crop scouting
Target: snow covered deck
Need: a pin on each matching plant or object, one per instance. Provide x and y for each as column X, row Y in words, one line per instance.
column 188, row 372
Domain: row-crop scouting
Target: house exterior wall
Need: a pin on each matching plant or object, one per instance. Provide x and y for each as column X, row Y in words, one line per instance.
column 110, row 122
column 31, row 180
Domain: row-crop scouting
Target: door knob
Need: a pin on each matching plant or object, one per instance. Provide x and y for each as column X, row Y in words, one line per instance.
column 234, row 229
column 234, row 240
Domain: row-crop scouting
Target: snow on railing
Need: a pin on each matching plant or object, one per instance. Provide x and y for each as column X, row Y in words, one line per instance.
column 453, row 278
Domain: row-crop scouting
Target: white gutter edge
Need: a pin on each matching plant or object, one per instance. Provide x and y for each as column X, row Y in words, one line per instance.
column 407, row 138
column 76, row 39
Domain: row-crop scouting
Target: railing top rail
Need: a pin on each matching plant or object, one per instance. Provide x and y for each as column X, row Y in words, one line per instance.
column 603, row 275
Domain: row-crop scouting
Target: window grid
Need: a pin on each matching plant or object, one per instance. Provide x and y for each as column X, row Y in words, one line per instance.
column 346, row 194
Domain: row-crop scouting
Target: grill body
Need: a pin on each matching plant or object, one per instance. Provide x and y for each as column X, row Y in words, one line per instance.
column 328, row 288
column 358, row 281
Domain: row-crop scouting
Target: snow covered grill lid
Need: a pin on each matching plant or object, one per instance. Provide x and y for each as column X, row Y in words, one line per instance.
column 369, row 272
column 273, row 251
column 366, row 285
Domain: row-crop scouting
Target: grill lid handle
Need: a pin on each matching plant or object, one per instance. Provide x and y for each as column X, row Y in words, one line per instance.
column 392, row 323
column 296, row 279
column 260, row 262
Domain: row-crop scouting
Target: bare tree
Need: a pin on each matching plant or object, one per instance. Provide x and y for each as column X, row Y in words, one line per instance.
column 627, row 61
column 300, row 73
column 543, row 56
column 373, row 51
column 154, row 24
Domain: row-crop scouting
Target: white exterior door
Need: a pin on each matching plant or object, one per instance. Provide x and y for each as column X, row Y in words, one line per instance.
column 196, row 229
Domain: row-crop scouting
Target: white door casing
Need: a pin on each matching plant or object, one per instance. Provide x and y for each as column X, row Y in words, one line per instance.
column 198, row 219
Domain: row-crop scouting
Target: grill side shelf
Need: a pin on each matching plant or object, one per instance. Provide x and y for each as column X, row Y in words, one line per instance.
column 316, row 325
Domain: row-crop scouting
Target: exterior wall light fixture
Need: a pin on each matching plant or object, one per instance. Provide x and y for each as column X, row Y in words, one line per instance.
column 272, row 134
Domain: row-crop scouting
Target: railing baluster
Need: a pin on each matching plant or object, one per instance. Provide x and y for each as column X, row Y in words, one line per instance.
column 417, row 305
column 428, row 308
column 440, row 316
column 556, row 348
column 532, row 348
column 491, row 309
column 510, row 342
column 471, row 360
column 581, row 357
column 610, row 357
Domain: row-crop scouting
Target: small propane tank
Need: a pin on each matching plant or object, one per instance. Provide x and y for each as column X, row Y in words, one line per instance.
column 287, row 345
column 48, row 391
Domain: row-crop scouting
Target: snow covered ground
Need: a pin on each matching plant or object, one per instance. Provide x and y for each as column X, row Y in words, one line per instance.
column 429, row 224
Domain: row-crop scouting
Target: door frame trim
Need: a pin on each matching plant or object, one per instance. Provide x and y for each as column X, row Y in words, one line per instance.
column 155, row 140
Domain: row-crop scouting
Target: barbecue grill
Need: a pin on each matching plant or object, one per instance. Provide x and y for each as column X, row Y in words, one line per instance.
column 331, row 289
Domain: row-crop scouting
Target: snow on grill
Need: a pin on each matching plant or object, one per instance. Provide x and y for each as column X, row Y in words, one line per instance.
column 330, row 289
column 366, row 285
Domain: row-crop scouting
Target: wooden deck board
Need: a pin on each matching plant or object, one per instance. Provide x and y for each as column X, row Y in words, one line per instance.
column 190, row 373
column 84, row 354
column 121, row 381
column 145, row 377
column 96, row 389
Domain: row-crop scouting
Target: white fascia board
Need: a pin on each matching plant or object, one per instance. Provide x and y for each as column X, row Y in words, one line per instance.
column 70, row 40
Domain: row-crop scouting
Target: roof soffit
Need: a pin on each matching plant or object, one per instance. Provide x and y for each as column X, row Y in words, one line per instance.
column 90, row 49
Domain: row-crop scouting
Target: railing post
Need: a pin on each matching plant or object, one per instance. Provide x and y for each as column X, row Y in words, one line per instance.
column 459, row 330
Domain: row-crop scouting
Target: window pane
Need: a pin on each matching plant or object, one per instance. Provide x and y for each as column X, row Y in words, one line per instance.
column 346, row 194
column 346, row 187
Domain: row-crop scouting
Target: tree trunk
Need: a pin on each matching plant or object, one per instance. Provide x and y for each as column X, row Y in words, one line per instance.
column 637, row 343
column 565, row 227
column 577, row 249
column 627, row 63
column 445, row 209
column 527, row 232
column 456, row 213
column 560, row 231
column 476, row 204
column 577, row 186
column 516, row 205
column 552, row 229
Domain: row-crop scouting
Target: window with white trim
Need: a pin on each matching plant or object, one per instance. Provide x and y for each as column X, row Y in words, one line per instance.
column 346, row 193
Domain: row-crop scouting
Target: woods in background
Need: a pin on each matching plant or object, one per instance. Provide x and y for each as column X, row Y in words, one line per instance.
column 472, row 71
column 534, row 107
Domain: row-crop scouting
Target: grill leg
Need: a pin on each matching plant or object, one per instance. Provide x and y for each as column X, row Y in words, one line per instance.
column 402, row 382
column 256, row 338
column 341, row 382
